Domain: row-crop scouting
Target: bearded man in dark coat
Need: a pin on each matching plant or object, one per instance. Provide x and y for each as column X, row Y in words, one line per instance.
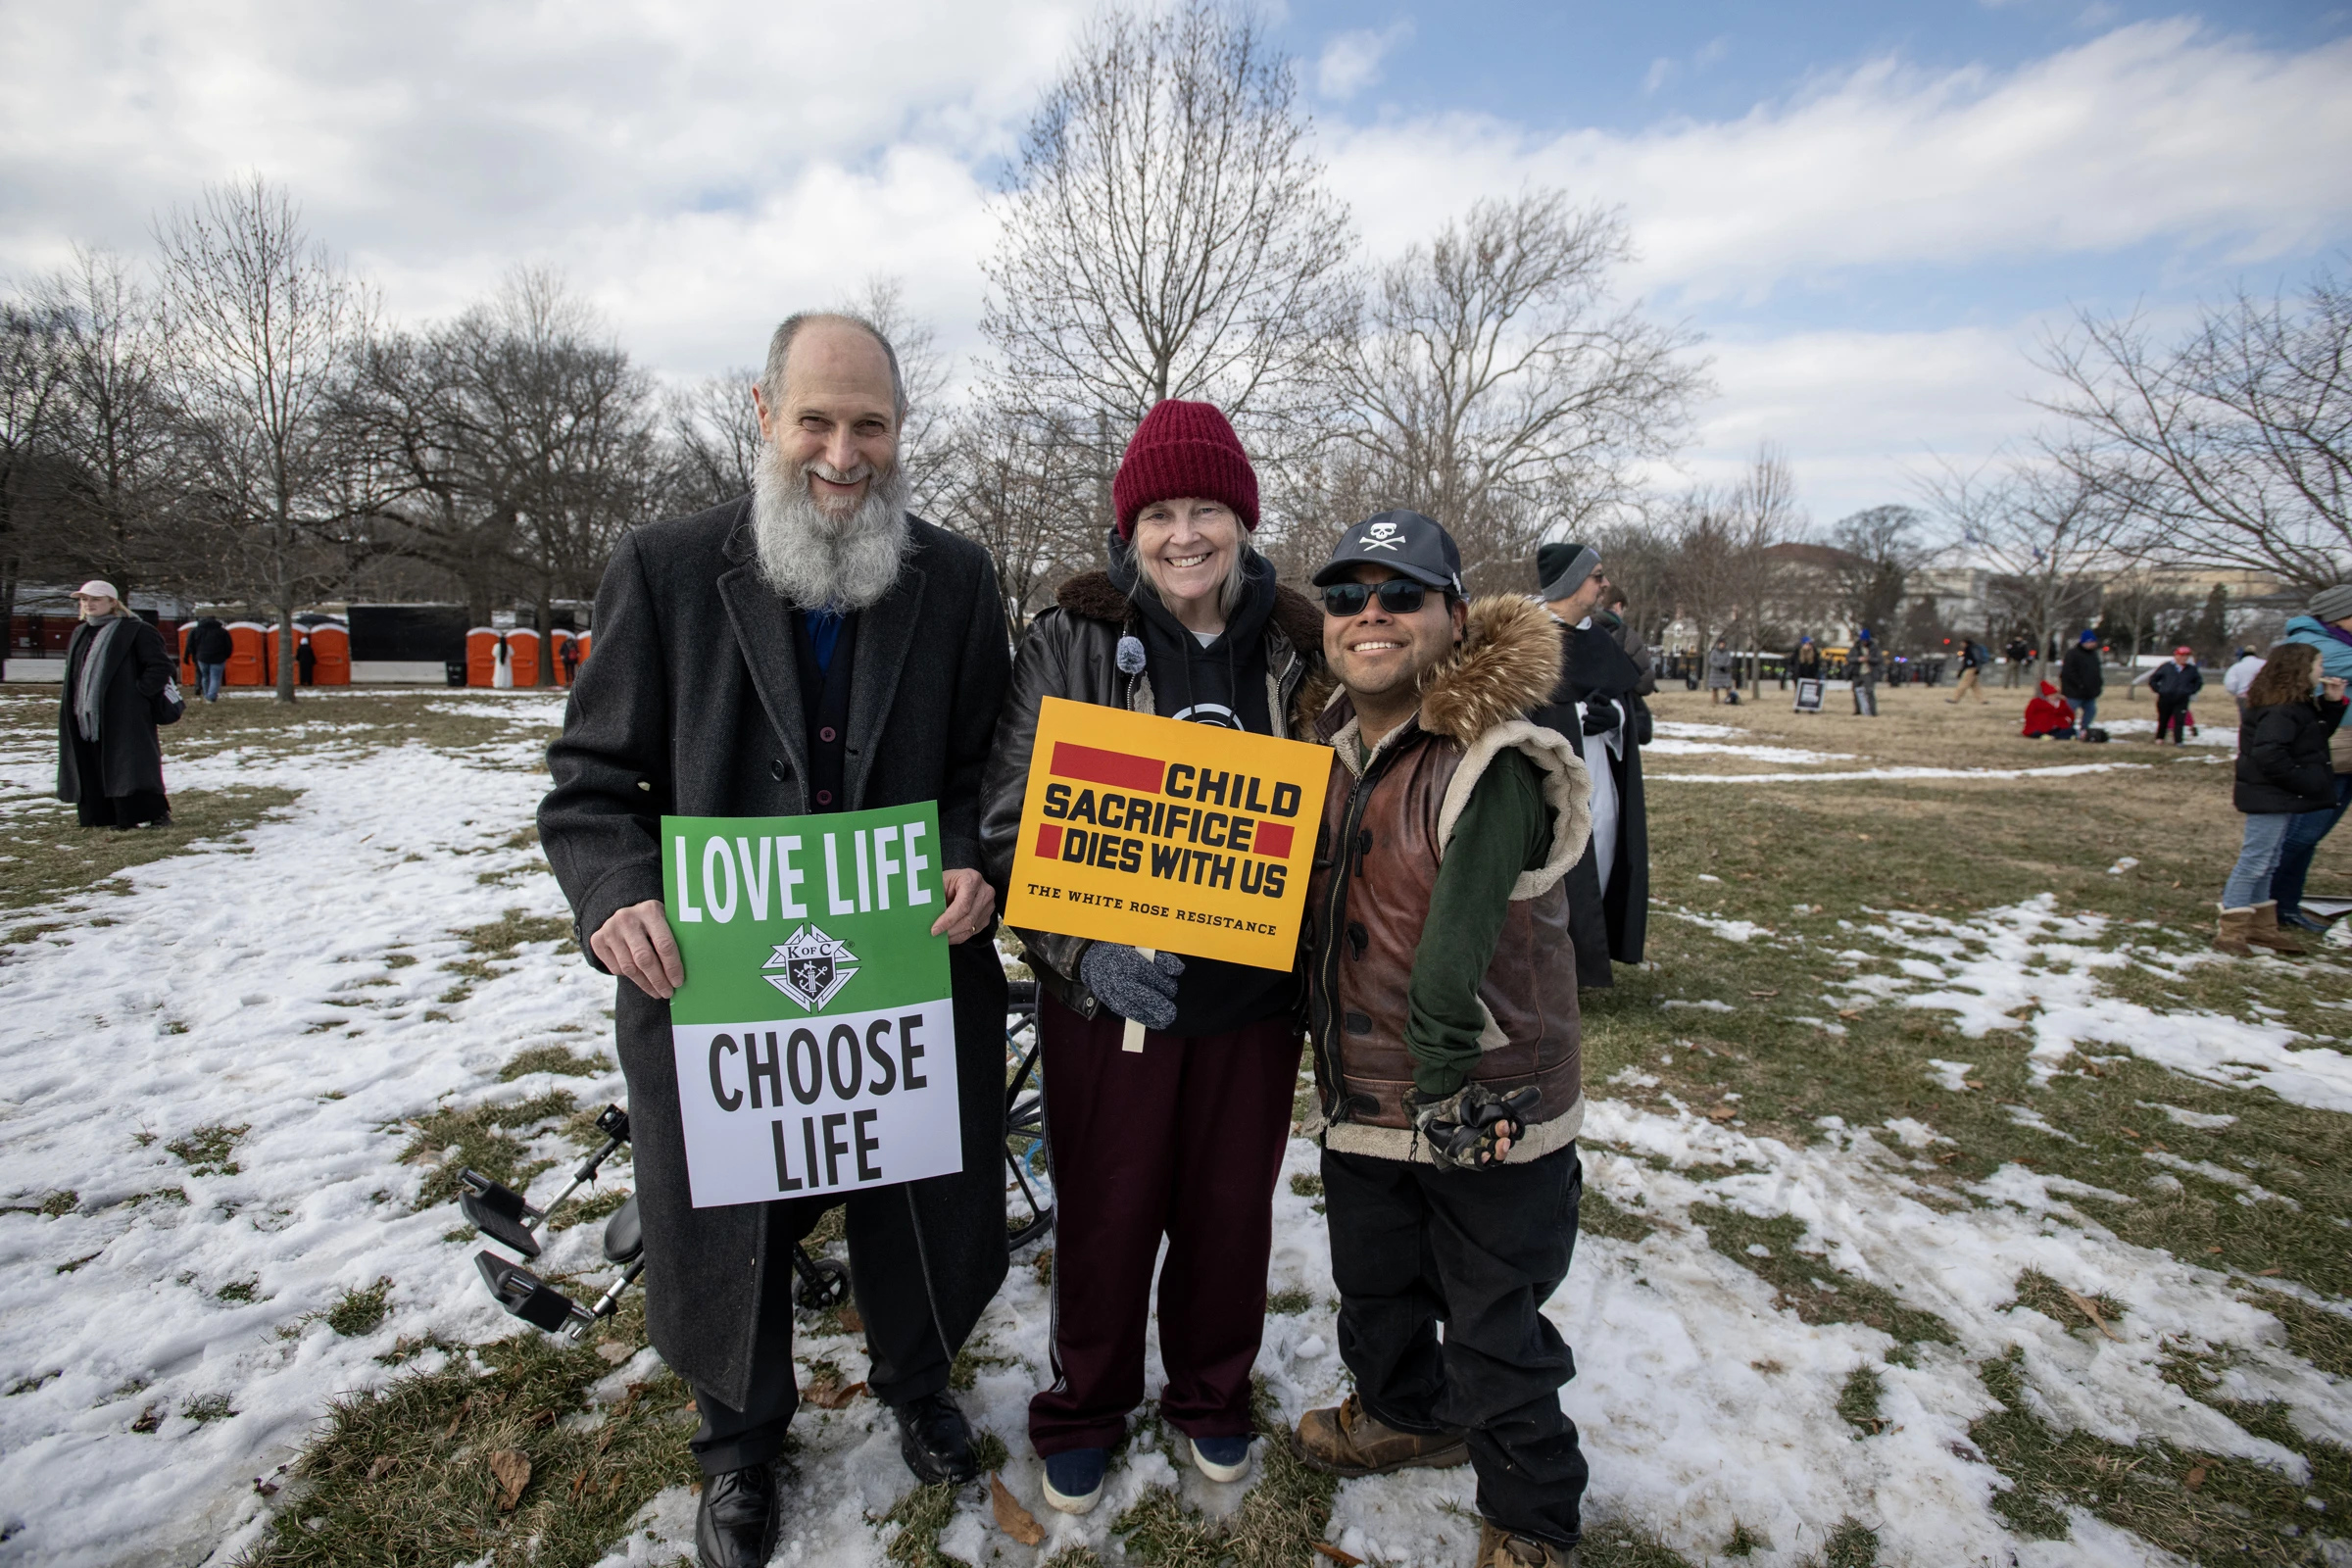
column 1599, row 707
column 810, row 647
column 109, row 763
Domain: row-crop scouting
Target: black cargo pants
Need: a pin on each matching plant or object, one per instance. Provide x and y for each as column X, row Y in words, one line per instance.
column 1413, row 1245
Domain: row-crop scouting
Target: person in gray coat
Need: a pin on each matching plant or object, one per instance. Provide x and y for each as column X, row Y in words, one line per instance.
column 810, row 647
column 110, row 763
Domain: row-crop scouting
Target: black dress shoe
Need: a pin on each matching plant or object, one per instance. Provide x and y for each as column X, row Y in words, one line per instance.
column 736, row 1525
column 936, row 1441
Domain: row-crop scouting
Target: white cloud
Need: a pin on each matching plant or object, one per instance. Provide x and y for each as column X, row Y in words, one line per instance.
column 698, row 169
column 1660, row 72
column 1350, row 62
column 2150, row 133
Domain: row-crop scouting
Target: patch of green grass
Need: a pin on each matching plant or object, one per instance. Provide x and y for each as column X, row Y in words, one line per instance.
column 1808, row 1283
column 401, row 1474
column 504, row 936
column 920, row 1515
column 552, row 1058
column 359, row 1310
column 2322, row 1337
column 2210, row 1508
column 1288, row 1304
column 1597, row 1215
column 60, row 1203
column 1617, row 1544
column 2050, row 1299
column 1859, row 1402
column 587, row 1210
column 238, row 1291
column 207, row 1149
column 1276, row 1526
column 212, row 1407
column 483, row 1137
column 55, row 860
column 1307, row 1184
column 1746, row 1543
column 1851, row 1544
column 971, row 1359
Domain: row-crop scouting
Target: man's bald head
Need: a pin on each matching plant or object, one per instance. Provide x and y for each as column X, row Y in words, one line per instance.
column 833, row 337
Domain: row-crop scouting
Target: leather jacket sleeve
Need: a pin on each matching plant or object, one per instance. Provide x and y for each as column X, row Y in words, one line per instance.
column 1042, row 668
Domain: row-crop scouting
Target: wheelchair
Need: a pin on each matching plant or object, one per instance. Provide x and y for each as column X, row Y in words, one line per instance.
column 502, row 1215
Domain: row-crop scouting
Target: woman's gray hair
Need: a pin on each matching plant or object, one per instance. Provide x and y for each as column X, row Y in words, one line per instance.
column 1229, row 592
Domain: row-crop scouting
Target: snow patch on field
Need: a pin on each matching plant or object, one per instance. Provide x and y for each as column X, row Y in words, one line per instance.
column 1898, row 773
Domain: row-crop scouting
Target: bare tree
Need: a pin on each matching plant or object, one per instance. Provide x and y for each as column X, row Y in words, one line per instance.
column 1165, row 234
column 264, row 326
column 114, row 433
column 1764, row 512
column 1706, row 576
column 519, row 442
column 1885, row 544
column 713, row 436
column 2237, row 441
column 1020, row 484
column 2040, row 522
column 31, row 372
column 925, row 369
column 1497, row 387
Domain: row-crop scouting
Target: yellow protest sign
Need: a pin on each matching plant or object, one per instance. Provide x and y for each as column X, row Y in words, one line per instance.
column 1186, row 838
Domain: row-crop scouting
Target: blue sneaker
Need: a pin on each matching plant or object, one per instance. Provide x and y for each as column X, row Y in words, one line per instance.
column 1221, row 1458
column 1074, row 1480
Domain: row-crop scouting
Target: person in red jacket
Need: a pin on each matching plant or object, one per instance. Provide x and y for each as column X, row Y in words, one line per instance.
column 2048, row 715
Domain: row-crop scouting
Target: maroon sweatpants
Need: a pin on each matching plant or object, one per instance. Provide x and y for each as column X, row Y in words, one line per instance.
column 1182, row 1139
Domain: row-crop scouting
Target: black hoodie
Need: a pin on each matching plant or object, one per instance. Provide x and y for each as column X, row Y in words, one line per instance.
column 1222, row 682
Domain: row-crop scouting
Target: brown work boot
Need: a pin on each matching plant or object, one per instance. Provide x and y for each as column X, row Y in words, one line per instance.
column 2230, row 935
column 2263, row 931
column 1352, row 1441
column 1497, row 1548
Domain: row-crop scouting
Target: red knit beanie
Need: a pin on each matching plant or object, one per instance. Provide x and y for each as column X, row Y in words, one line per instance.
column 1184, row 449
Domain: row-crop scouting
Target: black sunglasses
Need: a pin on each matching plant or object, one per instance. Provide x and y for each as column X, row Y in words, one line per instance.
column 1399, row 596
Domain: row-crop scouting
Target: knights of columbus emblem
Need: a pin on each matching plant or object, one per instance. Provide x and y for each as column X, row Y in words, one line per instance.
column 815, row 966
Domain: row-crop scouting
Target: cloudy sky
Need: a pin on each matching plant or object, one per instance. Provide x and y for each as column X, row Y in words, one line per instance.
column 1871, row 219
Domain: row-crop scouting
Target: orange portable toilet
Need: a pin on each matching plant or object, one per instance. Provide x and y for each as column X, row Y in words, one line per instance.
column 580, row 640
column 522, row 648
column 481, row 656
column 558, row 641
column 248, row 654
column 330, row 641
column 187, row 665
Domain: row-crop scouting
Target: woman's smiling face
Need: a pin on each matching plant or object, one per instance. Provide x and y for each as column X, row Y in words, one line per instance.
column 1187, row 547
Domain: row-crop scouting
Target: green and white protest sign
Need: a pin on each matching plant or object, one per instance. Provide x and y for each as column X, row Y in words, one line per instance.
column 816, row 1035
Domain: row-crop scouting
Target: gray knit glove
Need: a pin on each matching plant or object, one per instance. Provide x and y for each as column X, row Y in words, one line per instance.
column 1132, row 984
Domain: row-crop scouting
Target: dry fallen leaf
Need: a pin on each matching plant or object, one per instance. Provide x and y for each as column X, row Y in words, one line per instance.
column 2266, row 1273
column 1764, row 993
column 2214, row 1250
column 2090, row 1309
column 2195, row 1477
column 1011, row 1518
column 513, row 1468
column 1972, row 1083
column 828, row 1394
column 1722, row 1113
column 383, row 1466
column 2130, row 1132
column 851, row 1322
column 1849, row 1013
column 614, row 1351
column 1343, row 1559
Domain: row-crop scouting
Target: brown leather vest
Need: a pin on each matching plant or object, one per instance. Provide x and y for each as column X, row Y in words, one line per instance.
column 1367, row 901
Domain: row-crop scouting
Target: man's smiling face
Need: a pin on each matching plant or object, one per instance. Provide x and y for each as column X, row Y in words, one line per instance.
column 1377, row 651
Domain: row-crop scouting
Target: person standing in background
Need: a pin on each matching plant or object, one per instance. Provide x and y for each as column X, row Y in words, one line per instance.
column 2240, row 675
column 209, row 648
column 2283, row 774
column 2014, row 658
column 2081, row 679
column 1807, row 660
column 1722, row 673
column 1862, row 665
column 2176, row 683
column 305, row 659
column 1598, row 709
column 1972, row 668
column 110, row 763
column 571, row 659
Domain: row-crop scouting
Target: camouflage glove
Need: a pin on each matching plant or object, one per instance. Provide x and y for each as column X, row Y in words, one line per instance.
column 1461, row 1128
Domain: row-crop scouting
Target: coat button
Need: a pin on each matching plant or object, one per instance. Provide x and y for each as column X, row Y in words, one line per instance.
column 826, row 734
column 775, row 771
column 824, row 797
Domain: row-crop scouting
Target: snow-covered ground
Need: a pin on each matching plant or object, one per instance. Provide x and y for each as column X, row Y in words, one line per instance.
column 257, row 985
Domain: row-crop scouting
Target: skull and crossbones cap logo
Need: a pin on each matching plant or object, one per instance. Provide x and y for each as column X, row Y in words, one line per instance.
column 1413, row 545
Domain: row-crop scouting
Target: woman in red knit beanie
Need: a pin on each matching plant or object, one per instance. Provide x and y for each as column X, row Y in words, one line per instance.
column 1184, row 1138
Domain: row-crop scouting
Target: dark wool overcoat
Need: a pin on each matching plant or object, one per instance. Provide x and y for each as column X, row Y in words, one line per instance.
column 130, row 756
column 692, row 707
column 1611, row 922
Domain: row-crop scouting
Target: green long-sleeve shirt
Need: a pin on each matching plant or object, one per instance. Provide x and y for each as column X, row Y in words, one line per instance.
column 1505, row 828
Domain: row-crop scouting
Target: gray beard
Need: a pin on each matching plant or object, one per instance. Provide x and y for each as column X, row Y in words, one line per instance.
column 818, row 561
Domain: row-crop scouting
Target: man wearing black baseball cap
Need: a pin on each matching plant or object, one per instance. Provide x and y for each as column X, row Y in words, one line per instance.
column 1597, row 706
column 1442, row 1001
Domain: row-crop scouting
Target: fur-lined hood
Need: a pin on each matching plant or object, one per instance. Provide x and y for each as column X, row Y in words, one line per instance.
column 1479, row 698
column 1093, row 596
